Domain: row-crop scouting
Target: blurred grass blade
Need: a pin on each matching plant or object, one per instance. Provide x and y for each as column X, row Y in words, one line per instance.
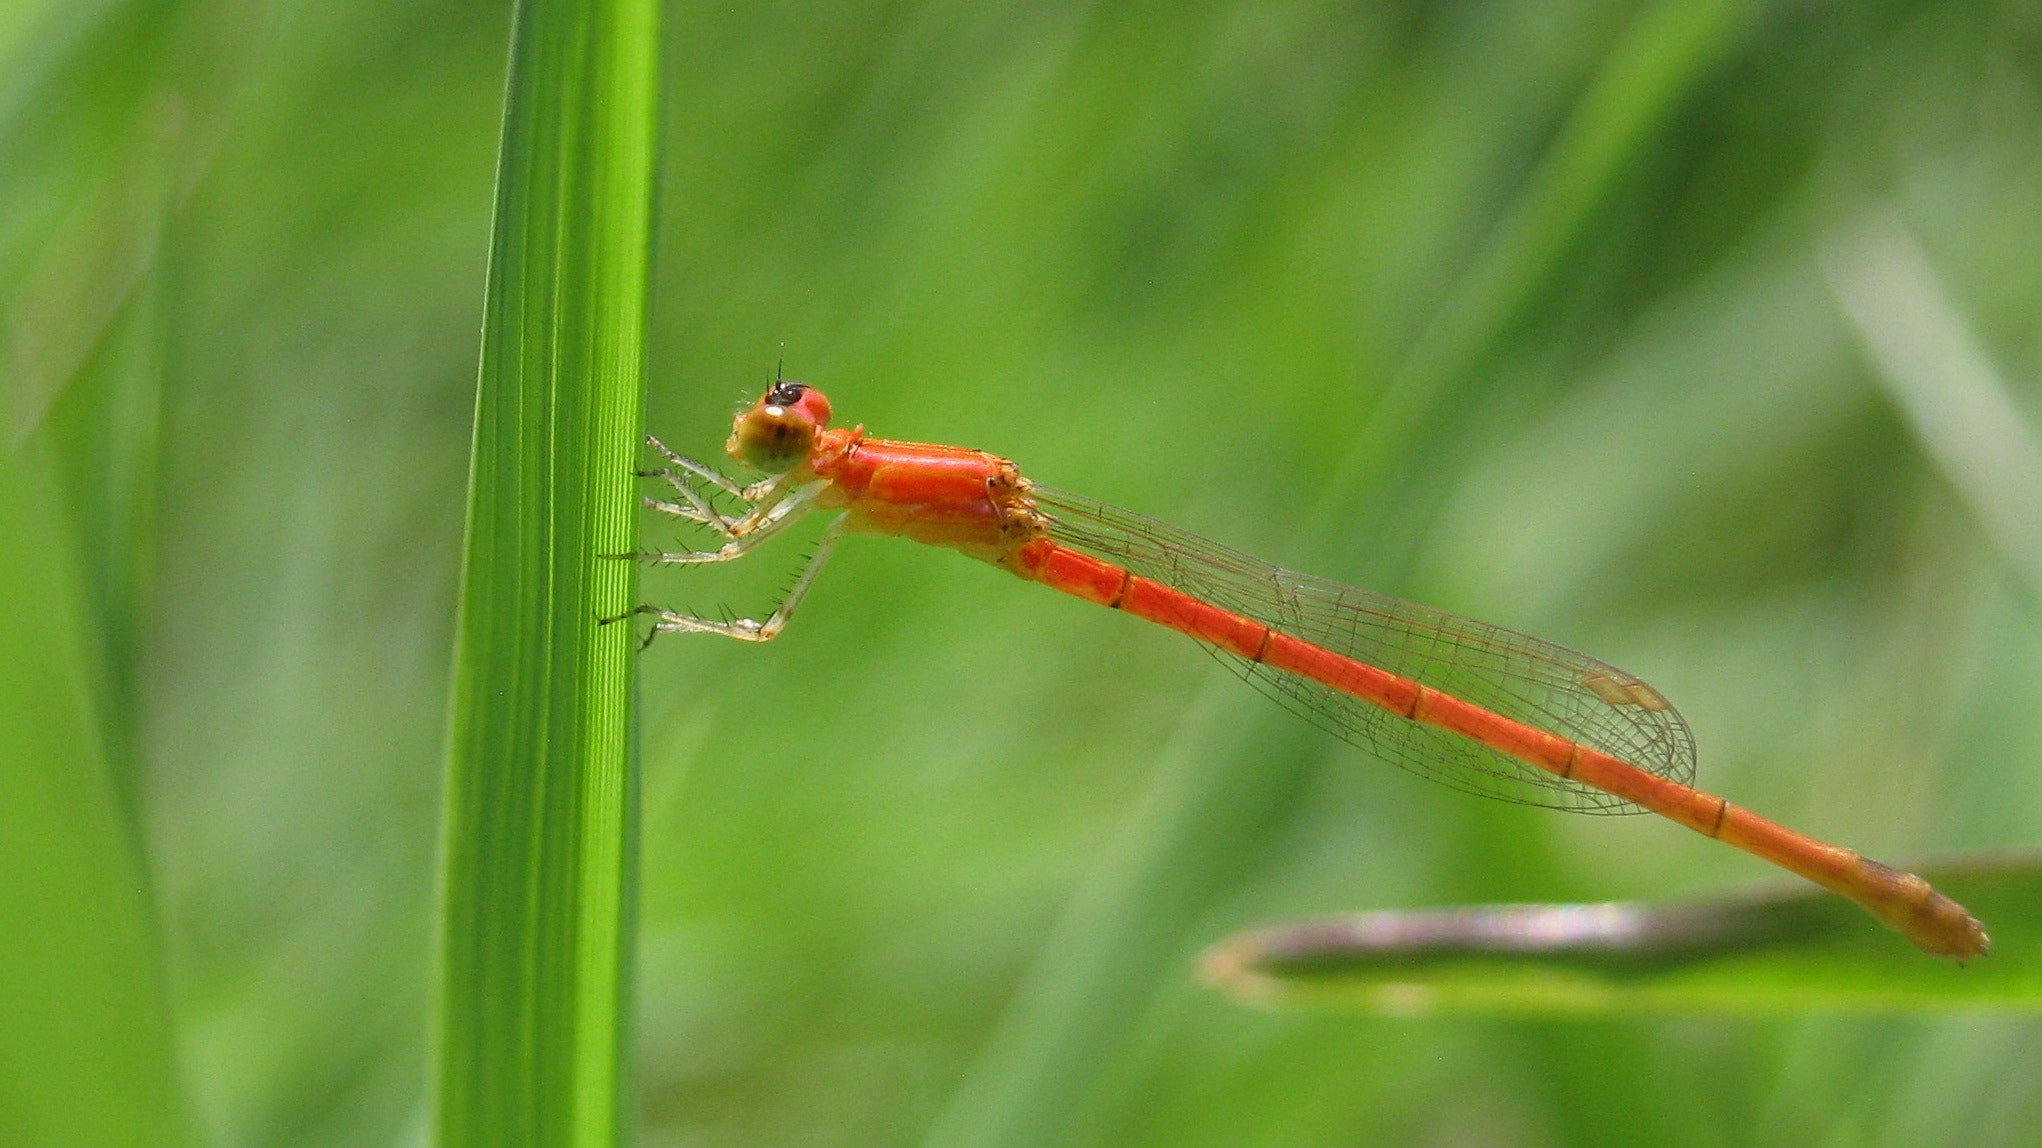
column 1935, row 368
column 1667, row 52
column 1119, row 939
column 538, row 844
column 1759, row 952
column 86, row 1055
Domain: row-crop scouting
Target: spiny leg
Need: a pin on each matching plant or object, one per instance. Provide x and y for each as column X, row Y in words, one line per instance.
column 721, row 481
column 747, row 532
column 762, row 523
column 708, row 473
column 747, row 629
column 699, row 507
column 766, row 503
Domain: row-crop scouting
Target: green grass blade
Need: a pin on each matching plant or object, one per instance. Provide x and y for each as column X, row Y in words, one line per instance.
column 86, row 1055
column 1761, row 953
column 538, row 849
column 1668, row 51
column 88, row 1051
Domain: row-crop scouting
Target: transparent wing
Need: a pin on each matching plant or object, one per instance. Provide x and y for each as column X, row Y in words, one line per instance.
column 1538, row 683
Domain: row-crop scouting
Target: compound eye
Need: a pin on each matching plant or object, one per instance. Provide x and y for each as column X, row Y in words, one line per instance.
column 773, row 438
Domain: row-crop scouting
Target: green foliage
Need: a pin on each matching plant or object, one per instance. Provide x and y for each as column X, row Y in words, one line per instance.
column 1567, row 316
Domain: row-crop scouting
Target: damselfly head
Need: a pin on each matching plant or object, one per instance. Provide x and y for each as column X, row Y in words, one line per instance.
column 776, row 433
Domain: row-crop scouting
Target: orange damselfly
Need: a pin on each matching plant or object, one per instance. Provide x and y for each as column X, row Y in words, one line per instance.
column 1475, row 706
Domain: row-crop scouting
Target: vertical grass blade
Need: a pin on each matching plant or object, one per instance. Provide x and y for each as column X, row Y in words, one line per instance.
column 86, row 1050
column 538, row 844
column 1668, row 51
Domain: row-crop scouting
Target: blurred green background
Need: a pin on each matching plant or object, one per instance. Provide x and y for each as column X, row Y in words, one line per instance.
column 1698, row 335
